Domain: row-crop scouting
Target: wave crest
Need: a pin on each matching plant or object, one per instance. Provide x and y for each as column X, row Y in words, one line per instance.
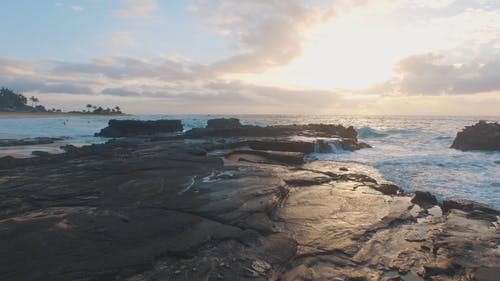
column 367, row 132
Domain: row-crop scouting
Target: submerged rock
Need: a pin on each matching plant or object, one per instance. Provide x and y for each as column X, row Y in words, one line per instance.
column 29, row 141
column 313, row 146
column 39, row 153
column 289, row 158
column 133, row 209
column 281, row 145
column 130, row 128
column 481, row 136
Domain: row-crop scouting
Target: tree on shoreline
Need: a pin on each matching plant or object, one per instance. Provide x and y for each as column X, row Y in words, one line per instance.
column 34, row 101
column 101, row 110
column 11, row 101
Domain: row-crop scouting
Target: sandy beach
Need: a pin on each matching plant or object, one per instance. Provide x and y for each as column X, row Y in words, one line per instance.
column 24, row 151
column 5, row 115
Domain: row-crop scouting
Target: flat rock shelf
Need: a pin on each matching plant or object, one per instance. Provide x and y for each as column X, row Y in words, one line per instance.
column 210, row 207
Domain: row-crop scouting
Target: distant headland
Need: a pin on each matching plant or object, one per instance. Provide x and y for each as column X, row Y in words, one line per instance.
column 16, row 105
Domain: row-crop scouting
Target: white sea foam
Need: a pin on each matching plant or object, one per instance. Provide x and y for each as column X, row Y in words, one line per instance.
column 411, row 151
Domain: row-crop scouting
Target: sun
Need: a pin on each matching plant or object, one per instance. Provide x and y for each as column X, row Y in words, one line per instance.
column 348, row 53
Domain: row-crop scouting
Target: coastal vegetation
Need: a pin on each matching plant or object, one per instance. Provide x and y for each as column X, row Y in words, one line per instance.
column 94, row 109
column 11, row 101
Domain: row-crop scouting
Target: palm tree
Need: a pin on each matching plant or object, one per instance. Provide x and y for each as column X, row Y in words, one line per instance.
column 33, row 100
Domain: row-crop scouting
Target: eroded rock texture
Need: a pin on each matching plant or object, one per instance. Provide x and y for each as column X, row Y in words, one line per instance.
column 481, row 136
column 206, row 209
column 130, row 128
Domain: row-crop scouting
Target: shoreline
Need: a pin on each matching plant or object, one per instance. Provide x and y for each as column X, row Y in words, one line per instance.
column 18, row 115
column 207, row 205
column 56, row 146
column 25, row 151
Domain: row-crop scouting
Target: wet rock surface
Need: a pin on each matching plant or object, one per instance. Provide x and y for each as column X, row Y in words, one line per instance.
column 232, row 128
column 481, row 136
column 29, row 141
column 208, row 209
column 222, row 123
column 130, row 128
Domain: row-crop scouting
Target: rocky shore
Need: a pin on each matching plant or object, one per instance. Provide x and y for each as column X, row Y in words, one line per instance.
column 231, row 202
column 29, row 141
column 480, row 136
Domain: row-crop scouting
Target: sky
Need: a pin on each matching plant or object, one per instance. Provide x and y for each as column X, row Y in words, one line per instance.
column 359, row 57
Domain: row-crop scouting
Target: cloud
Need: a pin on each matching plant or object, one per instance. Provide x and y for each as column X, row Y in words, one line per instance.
column 137, row 9
column 31, row 84
column 168, row 81
column 265, row 33
column 435, row 4
column 430, row 74
column 74, row 8
column 133, row 68
column 122, row 39
column 120, row 92
column 232, row 96
column 77, row 8
column 30, row 77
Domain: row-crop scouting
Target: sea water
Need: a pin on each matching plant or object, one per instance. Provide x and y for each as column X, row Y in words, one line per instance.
column 411, row 151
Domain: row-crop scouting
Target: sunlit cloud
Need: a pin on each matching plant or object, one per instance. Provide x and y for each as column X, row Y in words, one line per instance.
column 265, row 33
column 137, row 9
column 297, row 56
column 360, row 47
column 122, row 39
column 433, row 3
column 427, row 75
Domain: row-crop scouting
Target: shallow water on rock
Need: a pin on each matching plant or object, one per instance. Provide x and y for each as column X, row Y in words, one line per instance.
column 412, row 151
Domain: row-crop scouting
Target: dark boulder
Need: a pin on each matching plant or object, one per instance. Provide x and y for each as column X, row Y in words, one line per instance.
column 222, row 123
column 7, row 162
column 277, row 145
column 481, row 136
column 290, row 145
column 331, row 130
column 69, row 148
column 351, row 144
column 389, row 189
column 287, row 158
column 424, row 199
column 39, row 153
column 232, row 128
column 468, row 206
column 130, row 128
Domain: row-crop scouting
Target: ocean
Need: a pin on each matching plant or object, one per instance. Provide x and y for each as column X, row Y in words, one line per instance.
column 411, row 151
